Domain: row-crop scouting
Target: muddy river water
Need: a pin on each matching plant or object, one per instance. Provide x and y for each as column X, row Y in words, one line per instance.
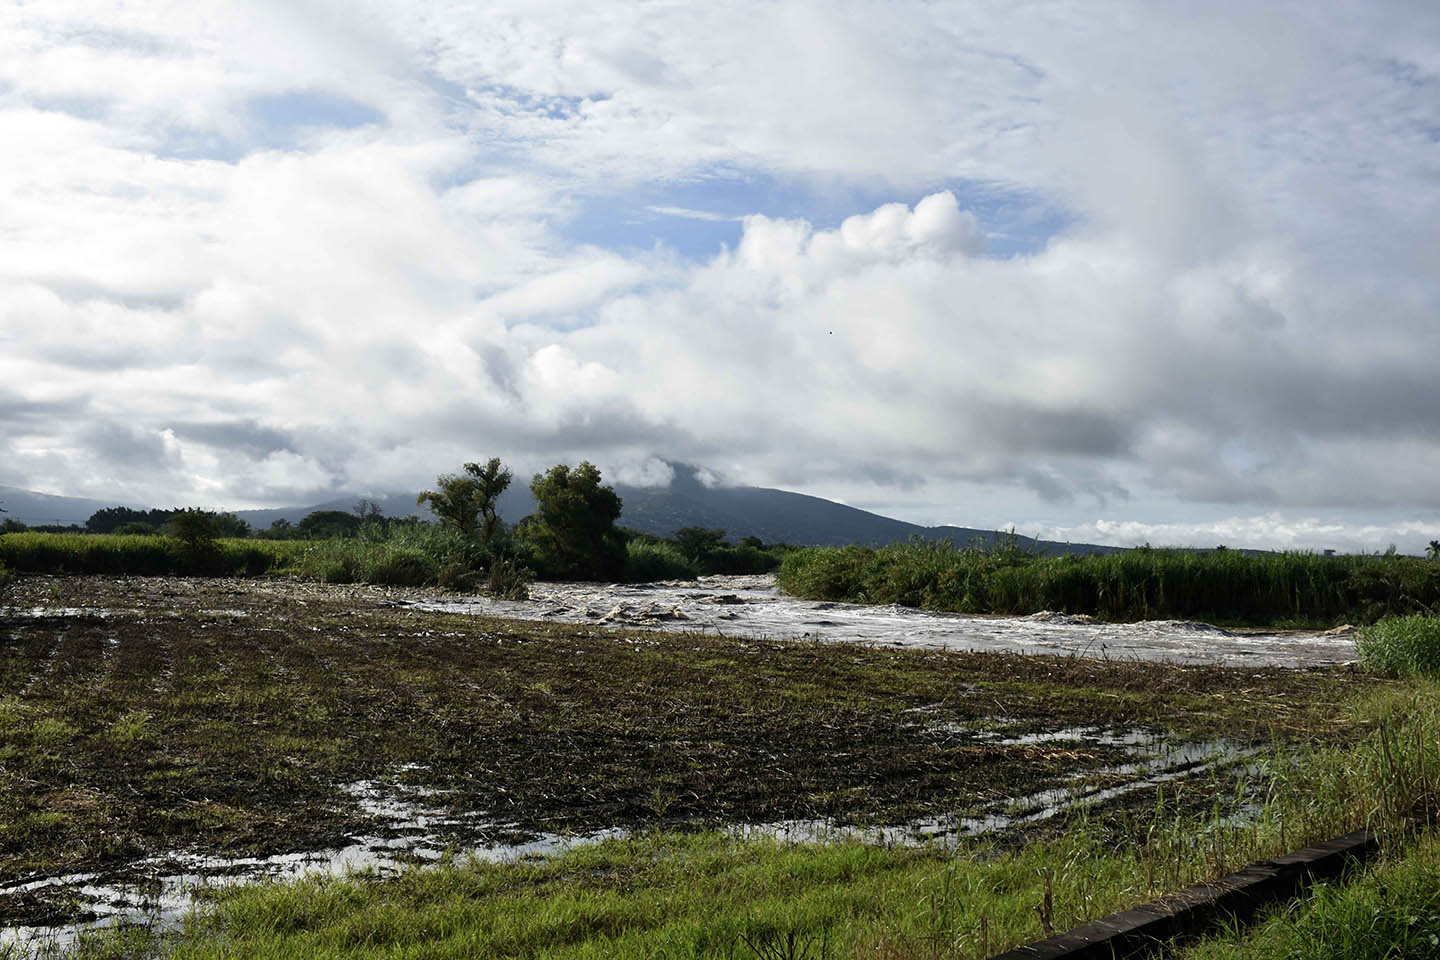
column 750, row 606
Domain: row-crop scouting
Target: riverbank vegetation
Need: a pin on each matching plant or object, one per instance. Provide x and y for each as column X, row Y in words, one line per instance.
column 572, row 535
column 1223, row 586
column 1406, row 646
column 115, row 754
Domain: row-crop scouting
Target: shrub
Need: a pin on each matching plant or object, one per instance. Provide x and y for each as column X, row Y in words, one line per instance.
column 402, row 568
column 457, row 576
column 738, row 560
column 1402, row 646
column 646, row 562
column 337, row 570
column 137, row 528
column 508, row 579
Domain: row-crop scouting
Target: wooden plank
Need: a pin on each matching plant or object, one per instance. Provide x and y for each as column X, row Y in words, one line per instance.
column 1135, row 932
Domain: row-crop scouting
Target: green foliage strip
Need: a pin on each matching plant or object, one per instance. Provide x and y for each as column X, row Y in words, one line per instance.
column 1139, row 584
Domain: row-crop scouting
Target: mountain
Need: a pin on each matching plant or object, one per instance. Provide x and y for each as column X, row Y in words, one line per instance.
column 40, row 509
column 775, row 516
column 779, row 516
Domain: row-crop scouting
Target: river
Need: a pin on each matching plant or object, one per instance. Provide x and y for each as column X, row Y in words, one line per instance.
column 753, row 606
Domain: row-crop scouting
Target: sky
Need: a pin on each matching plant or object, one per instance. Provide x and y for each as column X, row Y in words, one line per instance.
column 1115, row 272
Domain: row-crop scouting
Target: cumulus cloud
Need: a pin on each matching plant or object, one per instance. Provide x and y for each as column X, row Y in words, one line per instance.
column 256, row 255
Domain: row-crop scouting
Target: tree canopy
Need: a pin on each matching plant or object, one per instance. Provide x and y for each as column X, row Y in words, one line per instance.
column 573, row 530
column 469, row 500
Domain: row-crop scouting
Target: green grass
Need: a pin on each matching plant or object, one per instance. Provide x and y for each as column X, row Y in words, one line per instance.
column 407, row 555
column 1402, row 646
column 79, row 553
column 1222, row 586
column 647, row 562
column 1390, row 913
column 400, row 554
column 413, row 555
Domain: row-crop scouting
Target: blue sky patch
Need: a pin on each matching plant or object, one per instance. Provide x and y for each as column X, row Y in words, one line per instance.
column 285, row 113
column 696, row 217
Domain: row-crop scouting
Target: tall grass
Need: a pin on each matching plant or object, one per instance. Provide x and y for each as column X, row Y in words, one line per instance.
column 1392, row 913
column 651, row 558
column 401, row 554
column 78, row 553
column 648, row 561
column 397, row 553
column 1139, row 584
column 404, row 554
column 1402, row 646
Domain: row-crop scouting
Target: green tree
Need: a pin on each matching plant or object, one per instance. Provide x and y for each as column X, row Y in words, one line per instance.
column 697, row 543
column 469, row 500
column 229, row 525
column 194, row 528
column 573, row 530
column 1434, row 551
column 280, row 529
column 328, row 525
column 111, row 519
column 136, row 528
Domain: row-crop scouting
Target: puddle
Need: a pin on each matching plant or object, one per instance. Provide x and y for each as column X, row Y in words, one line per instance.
column 752, row 606
column 412, row 827
column 414, row 824
column 46, row 614
column 1168, row 764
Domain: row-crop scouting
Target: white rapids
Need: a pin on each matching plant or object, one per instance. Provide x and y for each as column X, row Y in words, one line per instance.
column 752, row 606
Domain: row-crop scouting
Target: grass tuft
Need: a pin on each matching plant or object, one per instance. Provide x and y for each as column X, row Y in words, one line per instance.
column 1388, row 914
column 1402, row 646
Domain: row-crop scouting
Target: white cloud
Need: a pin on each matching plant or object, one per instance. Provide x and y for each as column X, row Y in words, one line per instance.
column 1270, row 531
column 1239, row 315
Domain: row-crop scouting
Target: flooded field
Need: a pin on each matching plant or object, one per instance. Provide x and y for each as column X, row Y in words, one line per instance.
column 164, row 736
column 748, row 606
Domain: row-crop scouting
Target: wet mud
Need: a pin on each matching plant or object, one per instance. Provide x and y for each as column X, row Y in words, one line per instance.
column 158, row 736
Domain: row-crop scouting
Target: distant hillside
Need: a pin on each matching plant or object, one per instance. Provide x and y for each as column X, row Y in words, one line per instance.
column 775, row 516
column 42, row 509
column 784, row 517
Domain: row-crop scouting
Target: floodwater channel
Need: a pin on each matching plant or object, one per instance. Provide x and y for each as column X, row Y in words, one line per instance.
column 753, row 606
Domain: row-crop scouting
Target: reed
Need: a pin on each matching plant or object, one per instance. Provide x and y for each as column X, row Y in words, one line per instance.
column 1141, row 584
column 1402, row 646
column 78, row 553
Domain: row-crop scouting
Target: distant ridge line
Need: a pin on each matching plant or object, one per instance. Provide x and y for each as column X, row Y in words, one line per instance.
column 774, row 516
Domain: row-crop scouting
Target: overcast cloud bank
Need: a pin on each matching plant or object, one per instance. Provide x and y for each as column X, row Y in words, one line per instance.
column 1105, row 268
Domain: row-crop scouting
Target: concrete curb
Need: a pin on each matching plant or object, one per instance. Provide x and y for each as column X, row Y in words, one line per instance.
column 1239, row 896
